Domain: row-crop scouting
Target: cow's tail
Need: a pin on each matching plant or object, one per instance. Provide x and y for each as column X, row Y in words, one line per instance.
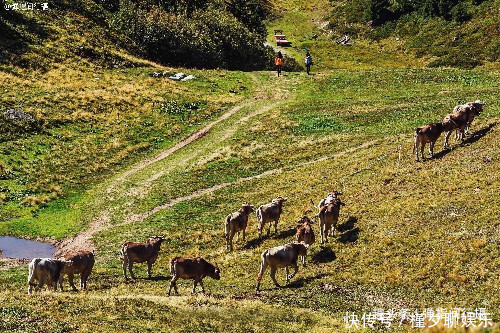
column 31, row 272
column 263, row 264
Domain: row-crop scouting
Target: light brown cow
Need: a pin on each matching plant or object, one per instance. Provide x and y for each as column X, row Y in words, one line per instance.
column 305, row 234
column 328, row 218
column 45, row 270
column 471, row 109
column 429, row 134
column 140, row 252
column 279, row 257
column 270, row 212
column 236, row 223
column 191, row 268
column 83, row 262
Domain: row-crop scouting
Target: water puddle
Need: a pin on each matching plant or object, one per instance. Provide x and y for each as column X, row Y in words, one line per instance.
column 18, row 248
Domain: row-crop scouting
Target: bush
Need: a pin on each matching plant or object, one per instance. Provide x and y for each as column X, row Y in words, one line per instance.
column 203, row 39
column 460, row 59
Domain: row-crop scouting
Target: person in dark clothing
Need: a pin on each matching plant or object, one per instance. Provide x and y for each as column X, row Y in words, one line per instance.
column 308, row 59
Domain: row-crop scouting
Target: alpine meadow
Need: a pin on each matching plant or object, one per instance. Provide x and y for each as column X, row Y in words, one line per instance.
column 154, row 151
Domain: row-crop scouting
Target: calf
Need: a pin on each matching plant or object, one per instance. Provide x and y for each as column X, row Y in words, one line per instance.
column 237, row 222
column 45, row 270
column 305, row 234
column 428, row 134
column 328, row 218
column 281, row 256
column 83, row 262
column 270, row 212
column 140, row 252
column 191, row 268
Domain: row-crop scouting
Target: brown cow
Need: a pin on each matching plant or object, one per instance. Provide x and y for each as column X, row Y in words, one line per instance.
column 237, row 222
column 305, row 234
column 270, row 212
column 429, row 134
column 328, row 218
column 194, row 269
column 83, row 262
column 281, row 256
column 471, row 109
column 140, row 252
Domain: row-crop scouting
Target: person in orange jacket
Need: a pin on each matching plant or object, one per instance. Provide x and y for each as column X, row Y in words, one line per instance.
column 279, row 61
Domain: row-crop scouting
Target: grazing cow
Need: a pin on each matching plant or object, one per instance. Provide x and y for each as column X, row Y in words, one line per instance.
column 83, row 262
column 471, row 109
column 140, row 252
column 305, row 234
column 237, row 222
column 328, row 218
column 281, row 256
column 194, row 269
column 45, row 270
column 270, row 212
column 429, row 134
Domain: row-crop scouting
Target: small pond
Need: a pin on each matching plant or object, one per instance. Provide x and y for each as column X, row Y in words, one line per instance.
column 12, row 247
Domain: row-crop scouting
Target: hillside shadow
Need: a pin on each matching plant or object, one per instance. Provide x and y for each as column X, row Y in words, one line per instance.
column 348, row 225
column 325, row 255
column 349, row 237
column 469, row 140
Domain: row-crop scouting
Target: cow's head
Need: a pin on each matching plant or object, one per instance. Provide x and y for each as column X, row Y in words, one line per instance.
column 335, row 194
column 280, row 200
column 216, row 273
column 477, row 107
column 304, row 219
column 303, row 249
column 156, row 239
column 247, row 208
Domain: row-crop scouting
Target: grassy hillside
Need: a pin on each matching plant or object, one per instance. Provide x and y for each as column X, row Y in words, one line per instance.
column 114, row 161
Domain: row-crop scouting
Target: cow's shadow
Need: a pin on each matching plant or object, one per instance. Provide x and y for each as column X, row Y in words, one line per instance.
column 349, row 237
column 253, row 243
column 469, row 140
column 304, row 281
column 286, row 233
column 325, row 255
column 348, row 225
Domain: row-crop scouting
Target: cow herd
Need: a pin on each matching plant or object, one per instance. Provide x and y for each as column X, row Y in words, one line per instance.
column 458, row 121
column 52, row 271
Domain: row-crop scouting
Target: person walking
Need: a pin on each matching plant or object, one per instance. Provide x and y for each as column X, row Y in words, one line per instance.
column 309, row 60
column 279, row 61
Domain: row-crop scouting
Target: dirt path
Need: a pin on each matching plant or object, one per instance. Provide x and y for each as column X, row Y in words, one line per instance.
column 83, row 240
column 193, row 137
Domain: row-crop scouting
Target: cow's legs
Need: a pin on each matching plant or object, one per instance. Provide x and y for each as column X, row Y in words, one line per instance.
column 263, row 267
column 124, row 266
column 269, row 228
column 243, row 231
column 150, row 264
column 276, row 226
column 415, row 147
column 173, row 283
column 321, row 232
column 238, row 236
column 130, row 264
column 273, row 276
column 202, row 287
column 446, row 137
column 194, row 286
column 296, row 268
column 71, row 282
column 431, row 148
column 287, row 280
column 422, row 150
column 303, row 261
column 43, row 278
